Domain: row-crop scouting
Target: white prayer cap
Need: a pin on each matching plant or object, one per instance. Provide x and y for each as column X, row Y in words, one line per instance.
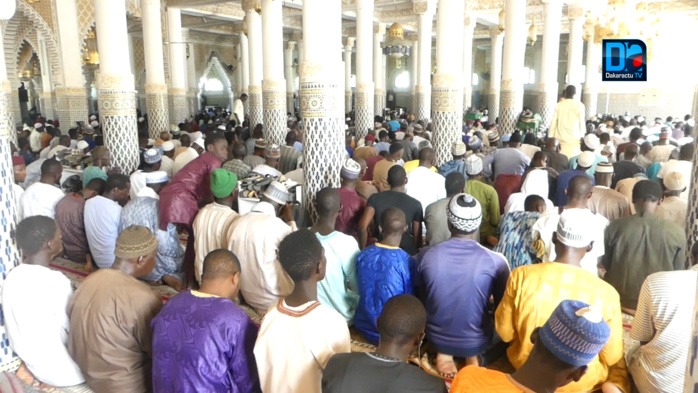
column 156, row 177
column 573, row 229
column 151, row 142
column 351, row 169
column 221, row 127
column 38, row 125
column 152, row 156
column 586, row 159
column 141, row 119
column 674, row 181
column 25, row 127
column 210, row 122
column 277, row 193
column 200, row 142
column 458, row 148
column 196, row 135
column 592, row 141
column 464, row 213
column 400, row 136
column 168, row 146
column 473, row 165
column 604, row 167
column 94, row 123
column 93, row 117
column 83, row 145
column 423, row 145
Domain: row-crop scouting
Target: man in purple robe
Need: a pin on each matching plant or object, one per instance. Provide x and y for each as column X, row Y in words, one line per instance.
column 202, row 341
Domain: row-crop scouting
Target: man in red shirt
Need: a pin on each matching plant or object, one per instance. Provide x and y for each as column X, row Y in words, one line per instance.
column 353, row 205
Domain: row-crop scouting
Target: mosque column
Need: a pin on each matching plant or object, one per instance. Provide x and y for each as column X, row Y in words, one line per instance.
column 548, row 89
column 468, row 33
column 115, row 86
column 511, row 91
column 245, row 60
column 447, row 86
column 290, row 79
column 254, row 38
column 178, row 84
column 71, row 98
column 575, row 47
column 365, row 87
column 378, row 92
column 496, row 38
column 273, row 85
column 155, row 85
column 9, row 258
column 590, row 94
column 192, row 82
column 425, row 11
column 347, row 74
column 414, row 69
column 320, row 71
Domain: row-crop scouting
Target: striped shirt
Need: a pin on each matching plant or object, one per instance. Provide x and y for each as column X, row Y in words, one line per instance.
column 663, row 320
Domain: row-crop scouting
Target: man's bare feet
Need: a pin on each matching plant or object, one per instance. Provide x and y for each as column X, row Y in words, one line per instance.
column 174, row 282
column 446, row 366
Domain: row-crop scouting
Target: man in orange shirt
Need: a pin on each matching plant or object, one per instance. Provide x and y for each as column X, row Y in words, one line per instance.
column 571, row 338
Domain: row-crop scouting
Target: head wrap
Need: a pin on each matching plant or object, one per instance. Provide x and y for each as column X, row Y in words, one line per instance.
column 201, row 143
column 573, row 229
column 473, row 165
column 92, row 172
column 592, row 141
column 134, row 242
column 83, row 145
column 370, row 137
column 351, row 169
column 152, row 156
column 38, row 126
column 674, row 181
column 604, row 167
column 458, row 148
column 272, row 151
column 223, row 183
column 575, row 333
column 464, row 213
column 586, row 159
column 168, row 146
column 156, row 177
column 277, row 193
column 260, row 144
column 18, row 160
column 474, row 142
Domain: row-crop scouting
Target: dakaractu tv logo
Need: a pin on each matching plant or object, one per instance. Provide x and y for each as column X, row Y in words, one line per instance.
column 624, row 60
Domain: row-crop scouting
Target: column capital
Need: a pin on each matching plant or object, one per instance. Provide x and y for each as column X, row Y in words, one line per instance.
column 291, row 45
column 575, row 11
column 494, row 31
column 349, row 43
column 252, row 5
column 422, row 7
column 379, row 28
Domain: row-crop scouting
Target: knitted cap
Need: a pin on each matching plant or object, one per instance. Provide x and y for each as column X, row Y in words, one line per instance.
column 492, row 136
column 168, row 146
column 223, row 183
column 604, row 167
column 17, row 160
column 573, row 229
column 135, row 241
column 458, row 148
column 575, row 333
column 473, row 165
column 201, row 143
column 370, row 137
column 464, row 213
column 156, row 177
column 506, row 137
column 474, row 142
column 92, row 172
column 272, row 151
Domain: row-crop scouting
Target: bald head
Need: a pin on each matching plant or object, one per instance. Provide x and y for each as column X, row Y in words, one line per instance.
column 426, row 156
column 393, row 222
column 219, row 264
column 579, row 188
column 552, row 144
column 402, row 320
column 327, row 201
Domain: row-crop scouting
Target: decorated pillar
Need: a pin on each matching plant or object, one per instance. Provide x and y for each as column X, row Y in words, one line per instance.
column 447, row 86
column 365, row 87
column 323, row 146
column 290, row 77
column 496, row 38
column 254, row 38
column 178, row 88
column 548, row 89
column 414, row 69
column 347, row 74
column 425, row 11
column 511, row 91
column 273, row 85
column 46, row 92
column 468, row 32
column 245, row 58
column 155, row 85
column 71, row 98
column 9, row 258
column 378, row 92
column 590, row 94
column 192, row 81
column 575, row 47
column 115, row 87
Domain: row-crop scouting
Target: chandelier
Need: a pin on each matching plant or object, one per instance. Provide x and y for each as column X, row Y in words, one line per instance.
column 621, row 21
column 532, row 32
column 395, row 44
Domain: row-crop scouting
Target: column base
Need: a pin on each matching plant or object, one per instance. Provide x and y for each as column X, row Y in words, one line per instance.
column 274, row 111
column 157, row 109
column 508, row 111
column 290, row 108
column 448, row 116
column 422, row 98
column 255, row 99
column 590, row 99
column 71, row 104
column 178, row 105
column 117, row 109
column 547, row 100
column 364, row 109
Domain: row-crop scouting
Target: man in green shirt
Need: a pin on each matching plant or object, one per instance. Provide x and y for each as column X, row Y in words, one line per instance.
column 640, row 245
column 488, row 198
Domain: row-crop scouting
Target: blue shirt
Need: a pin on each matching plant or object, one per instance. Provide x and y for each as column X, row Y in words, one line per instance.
column 563, row 181
column 457, row 278
column 383, row 272
column 505, row 161
column 382, row 146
